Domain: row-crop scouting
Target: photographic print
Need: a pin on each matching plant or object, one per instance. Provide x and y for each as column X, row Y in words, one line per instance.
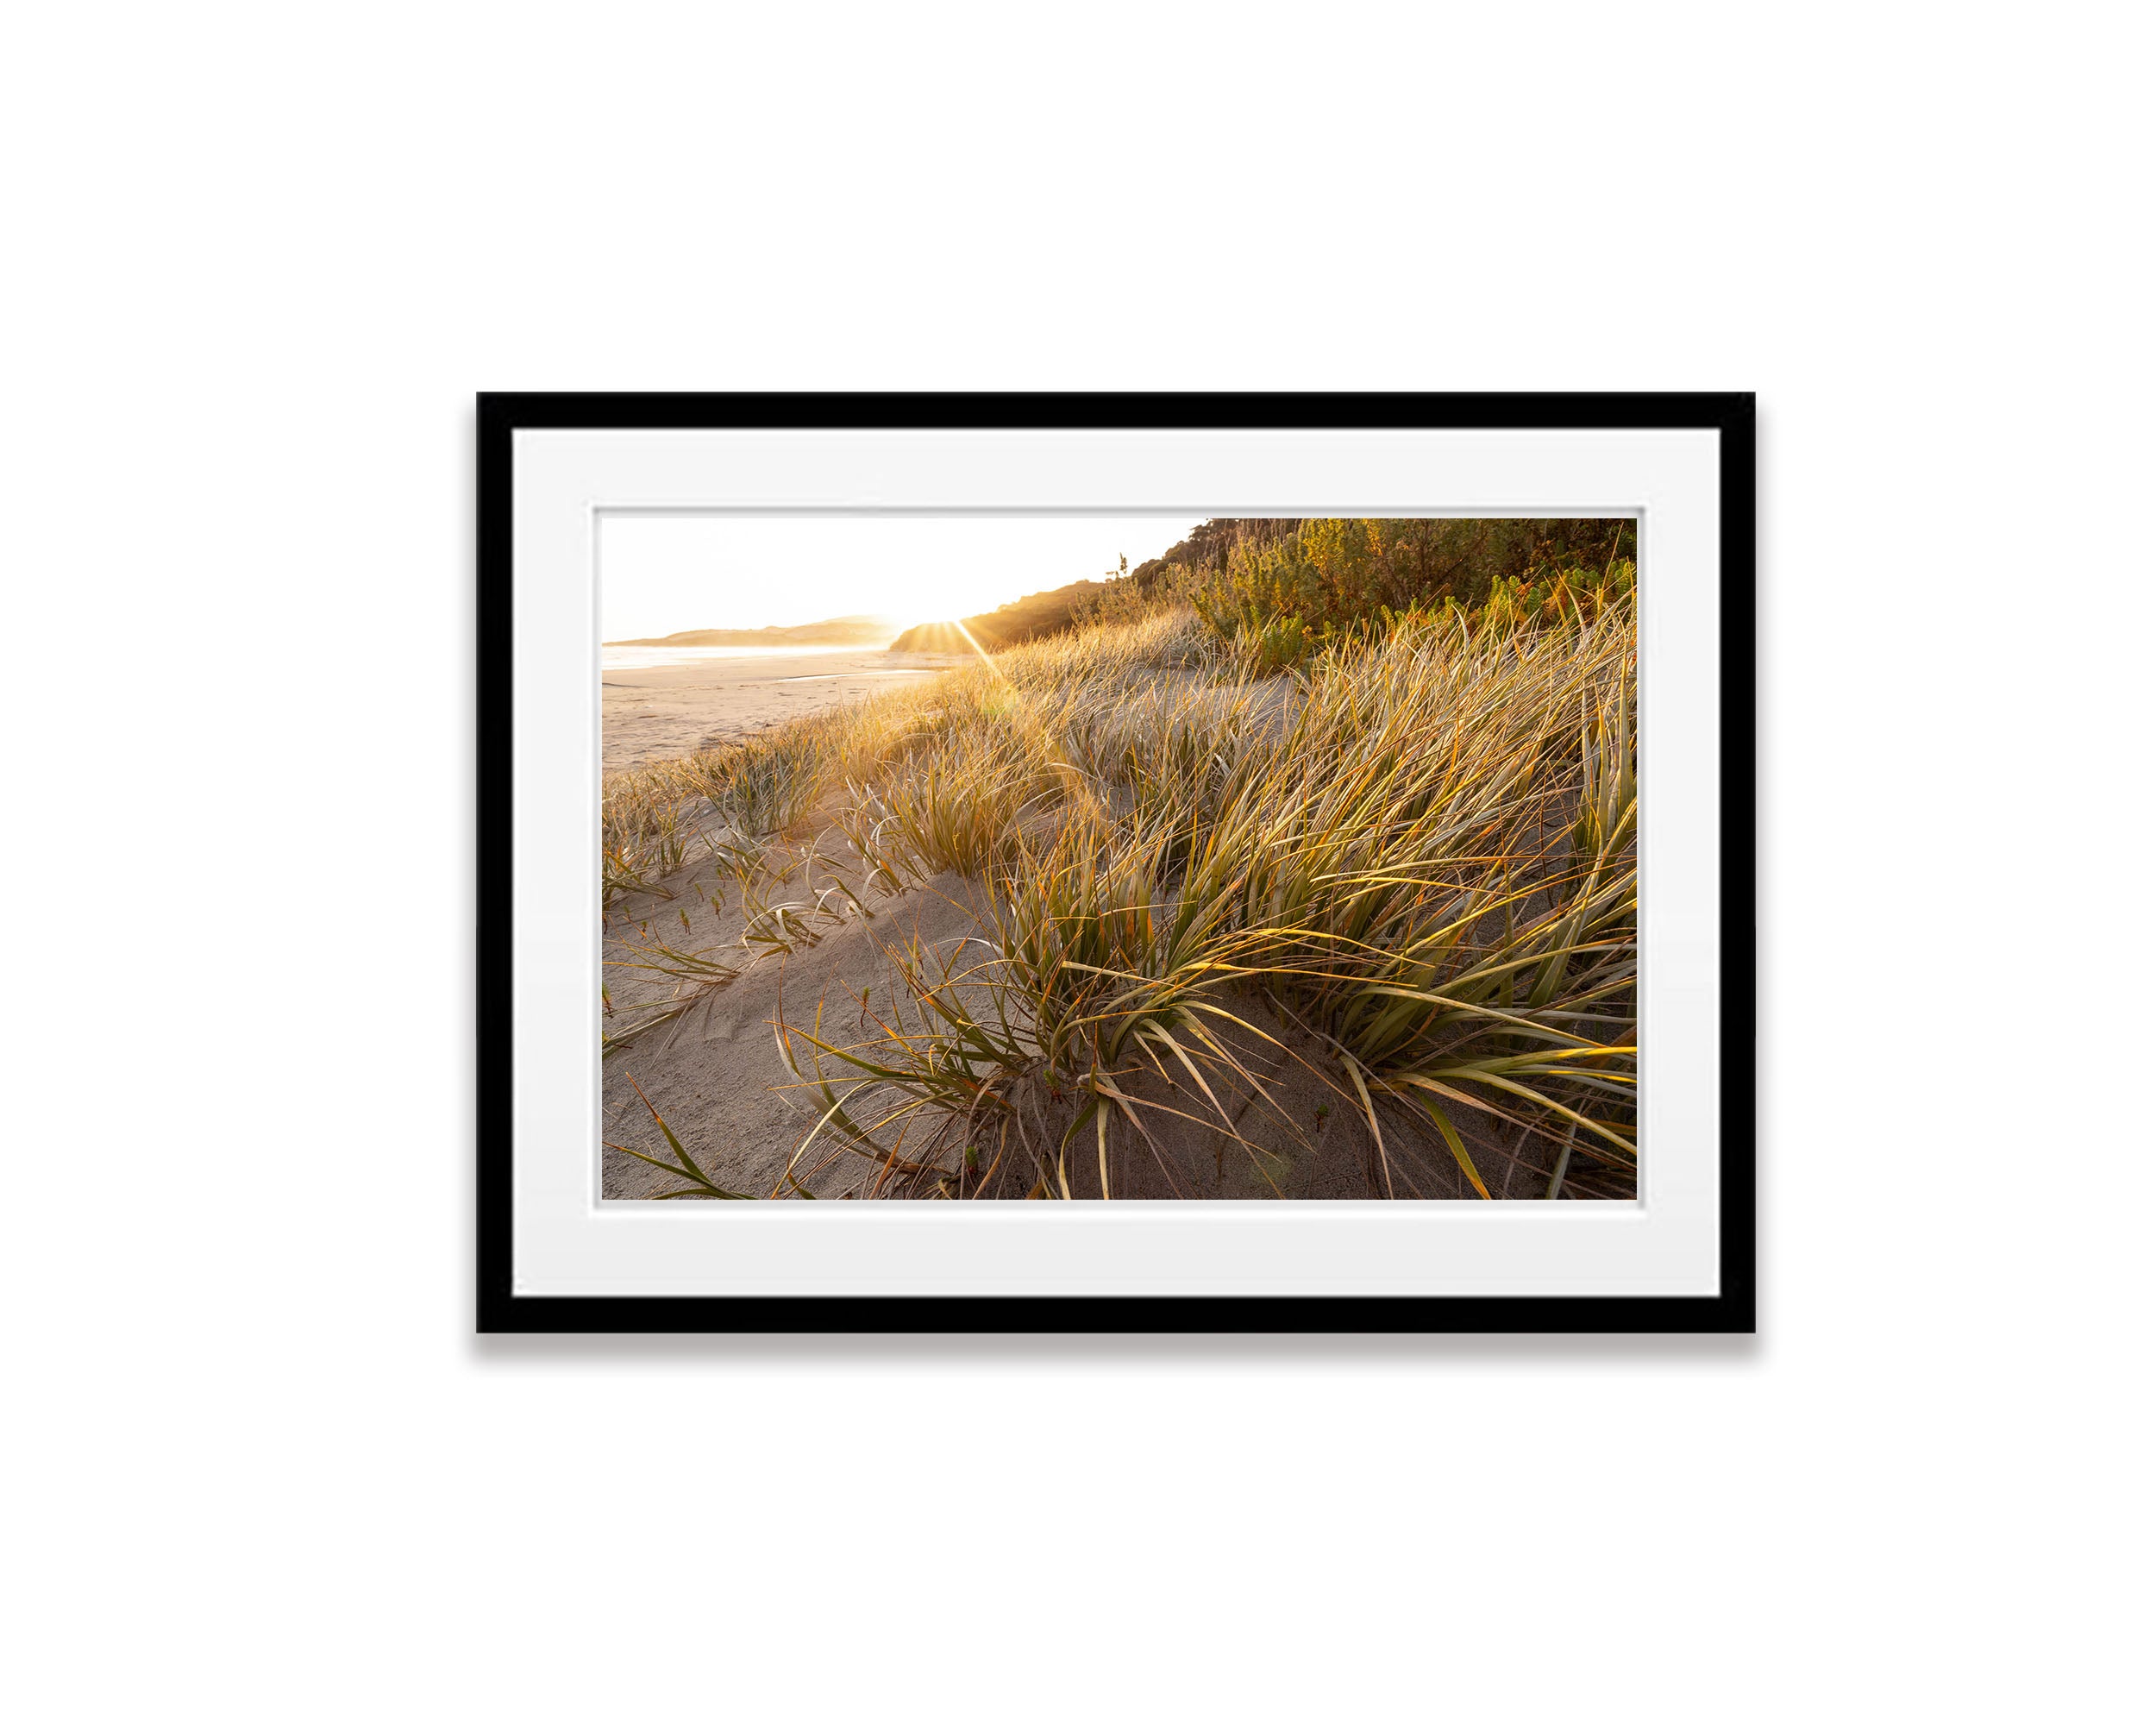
column 1094, row 857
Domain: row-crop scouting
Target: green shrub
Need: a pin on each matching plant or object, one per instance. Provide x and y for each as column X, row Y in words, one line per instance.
column 1329, row 576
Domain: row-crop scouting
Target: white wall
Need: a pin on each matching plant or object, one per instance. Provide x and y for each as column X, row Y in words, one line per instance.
column 262, row 260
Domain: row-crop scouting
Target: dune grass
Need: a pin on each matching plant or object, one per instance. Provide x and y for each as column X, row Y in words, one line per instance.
column 1416, row 847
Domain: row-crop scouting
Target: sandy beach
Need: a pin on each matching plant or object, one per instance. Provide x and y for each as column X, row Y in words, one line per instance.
column 659, row 712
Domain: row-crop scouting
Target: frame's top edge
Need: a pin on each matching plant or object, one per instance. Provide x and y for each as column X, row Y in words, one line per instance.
column 502, row 412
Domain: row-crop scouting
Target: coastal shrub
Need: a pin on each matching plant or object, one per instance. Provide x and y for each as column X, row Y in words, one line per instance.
column 1266, row 649
column 1331, row 576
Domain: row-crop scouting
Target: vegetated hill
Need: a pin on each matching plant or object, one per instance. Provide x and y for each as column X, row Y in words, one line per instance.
column 1325, row 572
column 832, row 631
column 1398, row 562
column 1024, row 619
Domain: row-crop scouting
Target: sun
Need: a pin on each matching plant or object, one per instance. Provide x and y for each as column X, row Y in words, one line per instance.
column 943, row 598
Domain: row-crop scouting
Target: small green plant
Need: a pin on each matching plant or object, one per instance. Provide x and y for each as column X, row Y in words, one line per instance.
column 683, row 1165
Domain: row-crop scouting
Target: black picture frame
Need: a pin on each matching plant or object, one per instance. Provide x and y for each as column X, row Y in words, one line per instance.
column 1732, row 1310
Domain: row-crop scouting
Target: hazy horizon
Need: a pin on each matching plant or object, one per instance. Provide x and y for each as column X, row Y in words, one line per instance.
column 666, row 574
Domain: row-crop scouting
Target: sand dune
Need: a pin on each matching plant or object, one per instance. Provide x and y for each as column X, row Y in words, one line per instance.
column 716, row 1076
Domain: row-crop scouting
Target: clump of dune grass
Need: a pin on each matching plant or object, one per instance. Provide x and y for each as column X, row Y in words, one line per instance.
column 695, row 974
column 755, row 787
column 958, row 805
column 1449, row 836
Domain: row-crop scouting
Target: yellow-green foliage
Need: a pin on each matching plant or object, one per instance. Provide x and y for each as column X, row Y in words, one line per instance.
column 1276, row 597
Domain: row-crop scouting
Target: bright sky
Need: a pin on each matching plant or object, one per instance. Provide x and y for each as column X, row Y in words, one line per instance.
column 659, row 574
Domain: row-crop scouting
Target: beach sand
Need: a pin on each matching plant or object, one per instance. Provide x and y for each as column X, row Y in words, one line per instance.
column 667, row 711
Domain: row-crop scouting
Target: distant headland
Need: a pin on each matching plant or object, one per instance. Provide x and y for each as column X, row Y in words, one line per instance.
column 832, row 631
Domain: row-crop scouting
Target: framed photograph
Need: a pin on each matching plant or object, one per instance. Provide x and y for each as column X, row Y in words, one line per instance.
column 1165, row 863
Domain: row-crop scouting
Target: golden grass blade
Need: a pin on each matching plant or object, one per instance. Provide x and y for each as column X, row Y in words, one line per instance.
column 1370, row 1113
